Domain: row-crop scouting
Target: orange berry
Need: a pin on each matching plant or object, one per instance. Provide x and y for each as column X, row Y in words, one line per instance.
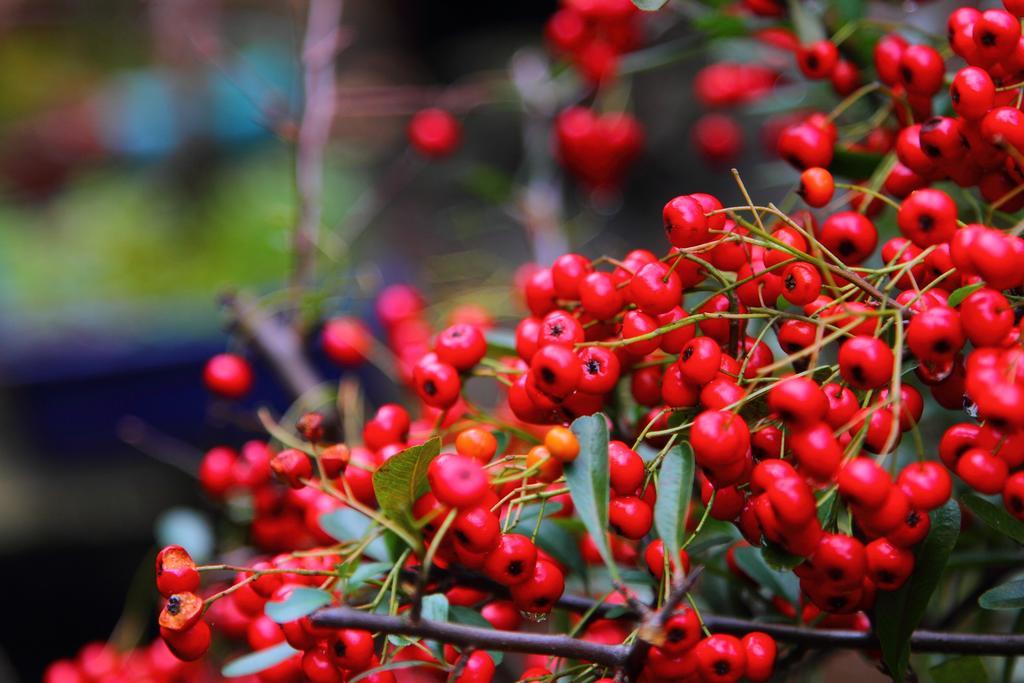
column 477, row 443
column 549, row 468
column 562, row 444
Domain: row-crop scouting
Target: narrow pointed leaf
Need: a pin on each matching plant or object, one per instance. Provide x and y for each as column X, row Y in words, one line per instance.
column 258, row 661
column 587, row 477
column 675, row 486
column 784, row 584
column 958, row 295
column 299, row 603
column 1007, row 596
column 994, row 516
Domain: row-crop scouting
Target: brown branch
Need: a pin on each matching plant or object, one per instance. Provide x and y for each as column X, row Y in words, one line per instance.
column 920, row 641
column 281, row 347
column 480, row 638
column 320, row 46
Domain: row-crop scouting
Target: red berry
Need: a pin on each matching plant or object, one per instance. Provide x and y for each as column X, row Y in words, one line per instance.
column 888, row 52
column 818, row 59
column 982, row 471
column 434, row 132
column 685, row 223
column 556, row 370
column 457, row 480
column 346, row 341
column 927, row 217
column 682, row 632
column 559, row 327
column 935, row 335
column 805, row 146
column 626, row 469
column 600, row 370
column 539, row 593
column 973, row 93
column 720, row 659
column 700, row 359
column 655, row 289
column 630, row 517
column 599, row 296
column 987, row 317
column 353, row 649
column 319, row 665
column 866, row 362
column 927, row 484
column 293, row 467
column 719, row 438
column 996, row 34
column 461, row 346
column 889, row 566
column 190, row 644
column 850, row 236
column 513, row 561
column 477, row 528
column 799, row 401
column 437, row 383
column 175, row 571
column 228, row 375
column 761, row 651
column 840, row 561
column 801, row 283
column 864, row 483
column 922, row 69
column 816, row 186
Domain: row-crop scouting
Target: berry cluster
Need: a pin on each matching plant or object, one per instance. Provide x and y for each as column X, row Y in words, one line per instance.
column 593, row 34
column 153, row 662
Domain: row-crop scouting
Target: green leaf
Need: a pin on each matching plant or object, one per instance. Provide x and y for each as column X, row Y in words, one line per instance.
column 778, row 559
column 348, row 524
column 847, row 10
column 960, row 670
column 587, row 477
column 782, row 583
column 503, row 439
column 898, row 613
column 258, row 661
column 345, row 524
column 401, row 480
column 855, row 165
column 808, row 27
column 394, row 666
column 721, row 25
column 467, row 616
column 958, row 295
column 675, row 486
column 470, row 617
column 1006, row 596
column 994, row 516
column 649, row 5
column 435, row 607
column 299, row 603
column 364, row 572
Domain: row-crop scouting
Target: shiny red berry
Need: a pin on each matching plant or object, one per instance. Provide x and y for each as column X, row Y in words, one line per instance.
column 457, row 480
column 866, row 362
column 434, row 132
column 512, row 561
column 228, row 374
